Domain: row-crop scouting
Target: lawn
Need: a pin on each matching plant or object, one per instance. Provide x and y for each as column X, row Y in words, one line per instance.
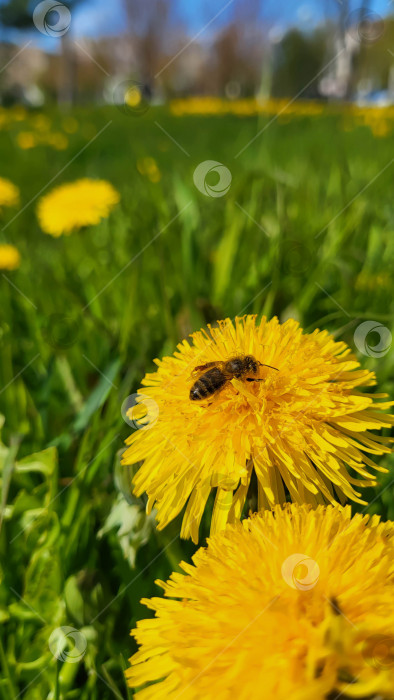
column 306, row 230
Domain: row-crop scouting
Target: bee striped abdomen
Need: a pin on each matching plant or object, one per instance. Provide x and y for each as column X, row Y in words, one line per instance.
column 206, row 385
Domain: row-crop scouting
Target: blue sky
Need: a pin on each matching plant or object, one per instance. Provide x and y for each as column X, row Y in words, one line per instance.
column 96, row 18
column 101, row 16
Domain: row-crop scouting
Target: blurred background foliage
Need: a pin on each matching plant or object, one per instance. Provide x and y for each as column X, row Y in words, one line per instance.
column 84, row 316
column 243, row 48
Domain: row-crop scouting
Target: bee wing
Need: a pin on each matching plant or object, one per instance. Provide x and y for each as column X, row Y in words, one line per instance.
column 200, row 369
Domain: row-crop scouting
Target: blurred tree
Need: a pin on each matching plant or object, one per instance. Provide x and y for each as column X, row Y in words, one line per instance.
column 235, row 66
column 18, row 14
column 13, row 14
column 299, row 58
column 375, row 61
column 227, row 59
column 238, row 50
column 150, row 27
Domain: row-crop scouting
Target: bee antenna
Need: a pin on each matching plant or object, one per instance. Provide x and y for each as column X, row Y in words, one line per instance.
column 270, row 366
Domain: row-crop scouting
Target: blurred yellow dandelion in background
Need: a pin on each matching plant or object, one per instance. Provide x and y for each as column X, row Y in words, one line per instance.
column 70, row 125
column 26, row 140
column 9, row 257
column 299, row 429
column 57, row 140
column 9, row 193
column 380, row 119
column 41, row 122
column 148, row 166
column 75, row 205
column 295, row 603
column 133, row 96
column 371, row 281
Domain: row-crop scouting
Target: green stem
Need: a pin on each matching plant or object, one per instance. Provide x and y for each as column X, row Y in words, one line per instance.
column 4, row 663
column 57, row 689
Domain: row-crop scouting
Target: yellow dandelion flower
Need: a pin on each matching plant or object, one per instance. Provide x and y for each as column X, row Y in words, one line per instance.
column 9, row 257
column 300, row 428
column 295, row 603
column 57, row 140
column 76, row 204
column 155, row 176
column 41, row 122
column 133, row 96
column 70, row 125
column 26, row 140
column 9, row 193
column 148, row 166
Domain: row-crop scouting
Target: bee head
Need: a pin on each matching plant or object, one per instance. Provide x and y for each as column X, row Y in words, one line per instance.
column 250, row 364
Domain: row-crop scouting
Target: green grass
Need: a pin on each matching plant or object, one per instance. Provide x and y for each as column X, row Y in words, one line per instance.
column 113, row 298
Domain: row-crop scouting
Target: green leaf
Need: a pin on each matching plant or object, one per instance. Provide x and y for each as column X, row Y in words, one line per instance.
column 7, row 465
column 44, row 462
column 74, row 600
column 98, row 396
column 43, row 583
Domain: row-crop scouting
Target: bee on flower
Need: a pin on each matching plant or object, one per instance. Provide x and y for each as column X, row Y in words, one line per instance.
column 255, row 399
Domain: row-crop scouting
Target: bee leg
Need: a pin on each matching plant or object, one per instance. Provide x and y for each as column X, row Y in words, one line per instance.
column 252, row 379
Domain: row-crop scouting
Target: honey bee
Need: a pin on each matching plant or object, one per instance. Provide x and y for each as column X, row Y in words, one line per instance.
column 214, row 375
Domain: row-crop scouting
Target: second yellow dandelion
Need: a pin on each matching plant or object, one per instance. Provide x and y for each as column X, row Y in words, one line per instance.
column 9, row 257
column 9, row 193
column 294, row 603
column 75, row 205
